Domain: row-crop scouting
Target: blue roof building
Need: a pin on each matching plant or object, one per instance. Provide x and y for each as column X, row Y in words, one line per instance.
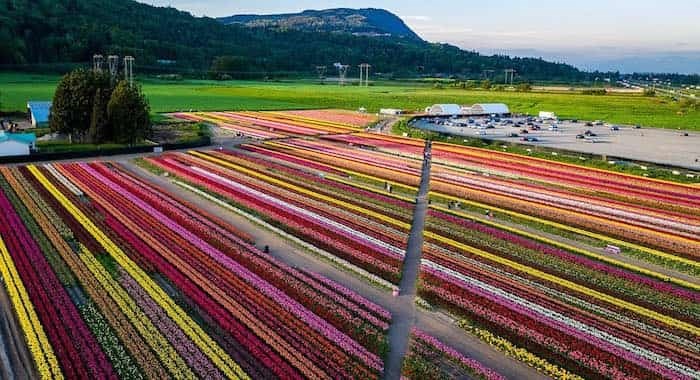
column 39, row 112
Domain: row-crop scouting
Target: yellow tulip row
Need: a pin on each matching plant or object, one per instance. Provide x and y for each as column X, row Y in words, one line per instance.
column 165, row 351
column 594, row 235
column 463, row 247
column 571, row 248
column 38, row 343
column 302, row 121
column 141, row 351
column 567, row 284
column 556, row 225
column 210, row 348
column 520, row 354
column 542, row 239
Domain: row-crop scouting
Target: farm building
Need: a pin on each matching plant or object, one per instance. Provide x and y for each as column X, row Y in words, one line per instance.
column 39, row 113
column 486, row 109
column 390, row 111
column 445, row 110
column 16, row 144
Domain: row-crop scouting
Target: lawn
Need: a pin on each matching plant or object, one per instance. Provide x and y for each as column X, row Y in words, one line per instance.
column 16, row 89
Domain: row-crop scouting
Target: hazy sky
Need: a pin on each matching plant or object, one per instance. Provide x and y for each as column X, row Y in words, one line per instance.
column 590, row 33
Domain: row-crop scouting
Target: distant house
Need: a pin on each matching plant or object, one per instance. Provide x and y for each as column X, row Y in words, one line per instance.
column 444, row 110
column 390, row 111
column 486, row 109
column 39, row 113
column 16, row 144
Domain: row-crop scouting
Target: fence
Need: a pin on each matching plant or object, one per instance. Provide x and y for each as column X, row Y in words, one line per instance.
column 204, row 141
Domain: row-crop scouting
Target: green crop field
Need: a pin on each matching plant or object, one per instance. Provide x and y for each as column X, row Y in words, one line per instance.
column 16, row 89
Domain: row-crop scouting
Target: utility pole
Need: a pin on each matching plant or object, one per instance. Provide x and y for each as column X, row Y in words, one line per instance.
column 487, row 74
column 364, row 74
column 97, row 61
column 321, row 71
column 510, row 72
column 342, row 73
column 129, row 69
column 113, row 63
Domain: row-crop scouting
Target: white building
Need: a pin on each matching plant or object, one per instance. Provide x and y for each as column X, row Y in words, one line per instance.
column 486, row 109
column 445, row 110
column 16, row 144
column 544, row 115
column 390, row 111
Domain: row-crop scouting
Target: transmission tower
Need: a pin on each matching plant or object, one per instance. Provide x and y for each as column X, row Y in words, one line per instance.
column 321, row 71
column 364, row 74
column 129, row 69
column 510, row 72
column 97, row 61
column 342, row 73
column 487, row 74
column 113, row 63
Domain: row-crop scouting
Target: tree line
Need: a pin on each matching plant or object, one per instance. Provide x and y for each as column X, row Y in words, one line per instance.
column 92, row 107
column 46, row 31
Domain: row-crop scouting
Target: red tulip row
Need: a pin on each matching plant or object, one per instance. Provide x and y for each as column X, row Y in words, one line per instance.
column 222, row 288
column 76, row 348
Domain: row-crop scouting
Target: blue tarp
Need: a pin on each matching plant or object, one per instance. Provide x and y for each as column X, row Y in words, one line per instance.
column 40, row 111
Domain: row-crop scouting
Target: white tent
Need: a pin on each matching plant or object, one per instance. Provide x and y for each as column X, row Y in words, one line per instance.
column 489, row 109
column 445, row 109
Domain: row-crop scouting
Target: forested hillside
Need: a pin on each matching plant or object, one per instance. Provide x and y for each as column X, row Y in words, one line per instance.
column 366, row 21
column 46, row 31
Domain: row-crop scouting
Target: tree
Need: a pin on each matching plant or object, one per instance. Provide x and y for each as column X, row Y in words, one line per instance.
column 524, row 87
column 74, row 110
column 486, row 84
column 128, row 113
column 72, row 104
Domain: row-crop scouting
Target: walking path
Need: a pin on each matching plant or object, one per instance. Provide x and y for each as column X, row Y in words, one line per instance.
column 404, row 320
column 435, row 324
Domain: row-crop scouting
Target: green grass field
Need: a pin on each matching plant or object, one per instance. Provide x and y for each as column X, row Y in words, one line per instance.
column 16, row 89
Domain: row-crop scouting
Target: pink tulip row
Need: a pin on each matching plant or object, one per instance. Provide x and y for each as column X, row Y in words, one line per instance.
column 336, row 116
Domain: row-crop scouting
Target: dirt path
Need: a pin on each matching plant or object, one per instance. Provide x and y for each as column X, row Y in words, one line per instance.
column 404, row 320
column 15, row 360
column 436, row 324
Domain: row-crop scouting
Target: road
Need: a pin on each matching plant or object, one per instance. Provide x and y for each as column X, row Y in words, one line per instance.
column 437, row 324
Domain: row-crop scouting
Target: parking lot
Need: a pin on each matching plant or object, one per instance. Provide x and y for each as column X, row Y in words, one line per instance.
column 662, row 146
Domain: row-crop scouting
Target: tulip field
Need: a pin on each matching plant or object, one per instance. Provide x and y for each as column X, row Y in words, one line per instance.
column 271, row 125
column 113, row 275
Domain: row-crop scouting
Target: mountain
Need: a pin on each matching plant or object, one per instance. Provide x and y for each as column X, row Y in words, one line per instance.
column 44, row 35
column 360, row 22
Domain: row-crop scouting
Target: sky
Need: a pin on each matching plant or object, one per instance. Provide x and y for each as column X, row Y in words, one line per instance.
column 625, row 35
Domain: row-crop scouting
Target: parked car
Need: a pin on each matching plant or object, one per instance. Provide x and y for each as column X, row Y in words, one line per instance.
column 524, row 131
column 580, row 136
column 589, row 133
column 637, row 126
column 514, row 134
column 614, row 128
column 589, row 124
column 529, row 139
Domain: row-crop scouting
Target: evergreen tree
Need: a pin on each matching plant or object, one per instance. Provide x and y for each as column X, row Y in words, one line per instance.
column 128, row 113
